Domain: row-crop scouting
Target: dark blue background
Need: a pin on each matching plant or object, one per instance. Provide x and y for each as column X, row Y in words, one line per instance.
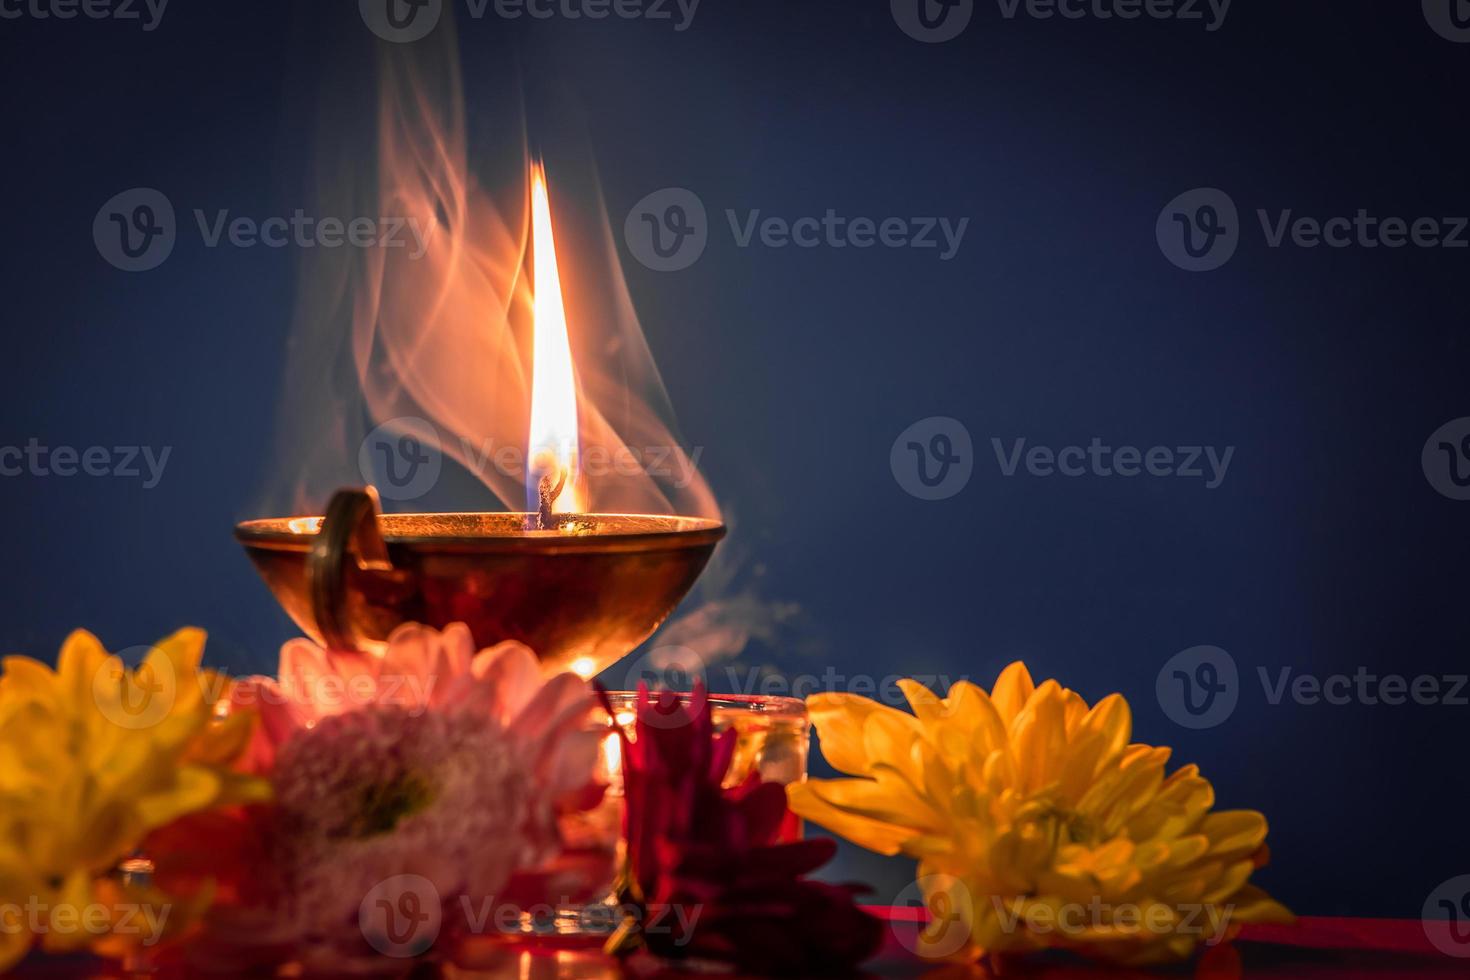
column 1325, row 549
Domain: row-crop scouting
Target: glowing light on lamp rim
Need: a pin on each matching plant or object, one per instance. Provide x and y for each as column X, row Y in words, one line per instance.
column 553, row 433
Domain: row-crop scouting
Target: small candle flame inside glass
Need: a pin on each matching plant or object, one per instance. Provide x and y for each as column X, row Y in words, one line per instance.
column 553, row 446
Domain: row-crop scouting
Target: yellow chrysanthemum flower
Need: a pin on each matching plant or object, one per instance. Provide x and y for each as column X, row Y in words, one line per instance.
column 1036, row 823
column 93, row 756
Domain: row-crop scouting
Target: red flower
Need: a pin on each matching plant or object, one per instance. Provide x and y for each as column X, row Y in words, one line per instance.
column 704, row 862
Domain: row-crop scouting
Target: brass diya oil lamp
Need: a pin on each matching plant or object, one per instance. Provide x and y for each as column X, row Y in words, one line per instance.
column 580, row 589
column 582, row 593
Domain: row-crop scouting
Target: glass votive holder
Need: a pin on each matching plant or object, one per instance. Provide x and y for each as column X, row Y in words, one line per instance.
column 773, row 736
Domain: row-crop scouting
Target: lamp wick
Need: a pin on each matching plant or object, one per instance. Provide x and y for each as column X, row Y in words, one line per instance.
column 546, row 493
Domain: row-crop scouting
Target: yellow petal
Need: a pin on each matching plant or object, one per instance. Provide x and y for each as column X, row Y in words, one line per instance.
column 1013, row 688
column 174, row 664
column 1039, row 738
column 972, row 711
column 1113, row 719
column 840, row 719
column 28, row 679
column 15, row 880
column 1095, row 740
column 67, row 915
column 82, row 656
column 194, row 789
column 891, row 738
column 1251, row 904
column 1076, row 709
column 886, row 800
column 219, row 743
column 872, row 834
column 926, row 704
column 1234, row 832
column 183, row 649
column 15, row 939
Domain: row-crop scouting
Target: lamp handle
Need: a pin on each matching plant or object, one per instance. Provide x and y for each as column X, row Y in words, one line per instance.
column 349, row 532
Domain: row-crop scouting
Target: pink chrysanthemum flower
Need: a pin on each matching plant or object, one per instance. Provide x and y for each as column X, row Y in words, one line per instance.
column 431, row 761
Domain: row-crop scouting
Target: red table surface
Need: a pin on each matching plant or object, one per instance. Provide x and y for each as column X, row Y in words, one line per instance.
column 1339, row 948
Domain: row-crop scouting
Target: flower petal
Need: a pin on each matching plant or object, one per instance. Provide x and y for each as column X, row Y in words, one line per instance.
column 1013, row 688
column 841, row 719
column 872, row 834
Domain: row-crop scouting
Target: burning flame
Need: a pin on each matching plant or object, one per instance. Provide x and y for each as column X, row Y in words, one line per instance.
column 553, row 446
column 460, row 339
